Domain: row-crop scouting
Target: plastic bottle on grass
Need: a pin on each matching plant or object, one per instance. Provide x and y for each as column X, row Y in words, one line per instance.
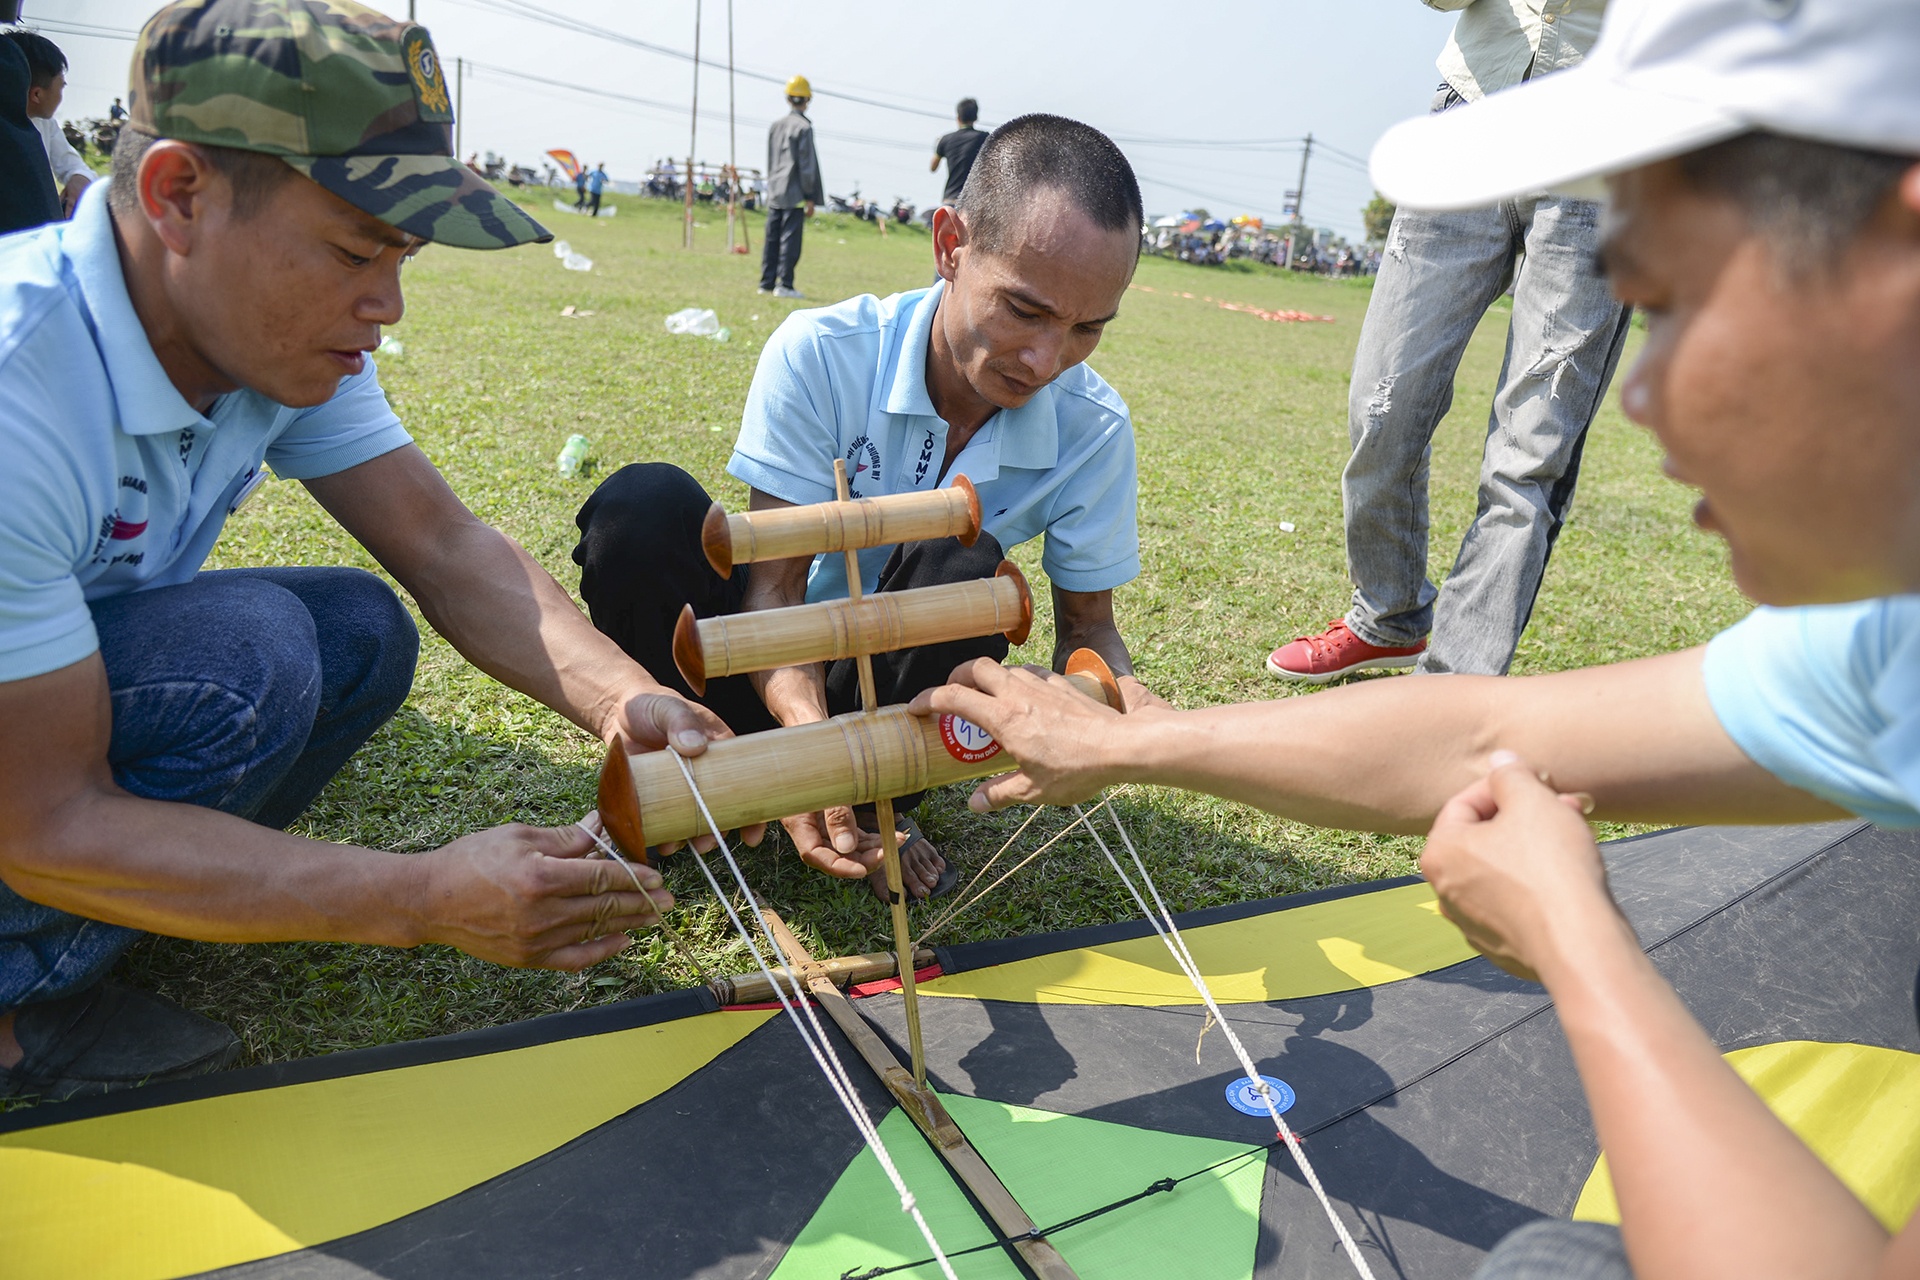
column 722, row 334
column 572, row 456
column 698, row 321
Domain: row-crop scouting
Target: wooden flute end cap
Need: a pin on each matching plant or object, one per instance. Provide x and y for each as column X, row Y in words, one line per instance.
column 971, row 534
column 687, row 653
column 1019, row 634
column 620, row 804
column 1085, row 662
column 716, row 539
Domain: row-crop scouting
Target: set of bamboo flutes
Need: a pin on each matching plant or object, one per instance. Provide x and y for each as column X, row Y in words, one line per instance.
column 850, row 759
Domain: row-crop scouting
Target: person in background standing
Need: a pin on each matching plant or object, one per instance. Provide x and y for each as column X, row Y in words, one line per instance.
column 793, row 189
column 47, row 68
column 1440, row 274
column 580, row 188
column 28, row 197
column 958, row 149
column 596, row 183
column 116, row 112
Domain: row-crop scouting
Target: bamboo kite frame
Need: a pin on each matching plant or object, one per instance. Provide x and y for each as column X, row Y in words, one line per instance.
column 785, row 533
column 708, row 648
column 852, row 759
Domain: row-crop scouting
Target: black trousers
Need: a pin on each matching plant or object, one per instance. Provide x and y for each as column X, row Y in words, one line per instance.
column 641, row 563
column 780, row 247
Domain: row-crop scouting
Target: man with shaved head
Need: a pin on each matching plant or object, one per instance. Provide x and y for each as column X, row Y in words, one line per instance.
column 982, row 375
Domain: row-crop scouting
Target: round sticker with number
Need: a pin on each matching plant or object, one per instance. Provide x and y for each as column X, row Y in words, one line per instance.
column 966, row 741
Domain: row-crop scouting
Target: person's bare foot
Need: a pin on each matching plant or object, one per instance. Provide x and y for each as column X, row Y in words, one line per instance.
column 10, row 1050
column 920, row 868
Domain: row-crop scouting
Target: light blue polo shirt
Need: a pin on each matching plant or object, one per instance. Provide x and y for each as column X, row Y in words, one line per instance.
column 112, row 483
column 850, row 381
column 1827, row 698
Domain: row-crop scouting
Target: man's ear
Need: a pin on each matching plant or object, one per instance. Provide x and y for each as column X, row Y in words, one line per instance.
column 175, row 183
column 949, row 240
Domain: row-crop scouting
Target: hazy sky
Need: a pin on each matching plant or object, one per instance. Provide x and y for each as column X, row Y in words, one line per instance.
column 1159, row 77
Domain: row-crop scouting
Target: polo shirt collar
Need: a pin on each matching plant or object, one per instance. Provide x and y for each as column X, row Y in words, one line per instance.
column 146, row 401
column 1027, row 437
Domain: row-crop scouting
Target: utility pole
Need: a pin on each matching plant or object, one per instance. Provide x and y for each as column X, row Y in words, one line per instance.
column 733, row 159
column 1300, row 191
column 693, row 138
column 459, row 102
column 409, row 10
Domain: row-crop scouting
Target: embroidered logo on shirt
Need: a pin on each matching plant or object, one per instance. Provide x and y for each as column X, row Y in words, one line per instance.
column 862, row 457
column 125, row 529
column 926, row 458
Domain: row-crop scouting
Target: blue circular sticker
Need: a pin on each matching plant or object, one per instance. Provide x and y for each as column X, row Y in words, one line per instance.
column 1241, row 1095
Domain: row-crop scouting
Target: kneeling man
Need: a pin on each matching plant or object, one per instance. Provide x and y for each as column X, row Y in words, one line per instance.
column 210, row 312
column 982, row 375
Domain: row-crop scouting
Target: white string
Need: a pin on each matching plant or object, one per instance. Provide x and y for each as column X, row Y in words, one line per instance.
column 817, row 1043
column 660, row 917
column 1169, row 932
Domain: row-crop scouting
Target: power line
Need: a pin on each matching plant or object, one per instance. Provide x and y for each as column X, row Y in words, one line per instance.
column 522, row 9
column 65, row 27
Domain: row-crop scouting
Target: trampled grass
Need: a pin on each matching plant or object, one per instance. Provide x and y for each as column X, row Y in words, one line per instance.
column 1241, row 425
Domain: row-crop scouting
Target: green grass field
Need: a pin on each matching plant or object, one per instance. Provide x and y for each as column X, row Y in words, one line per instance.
column 1241, row 425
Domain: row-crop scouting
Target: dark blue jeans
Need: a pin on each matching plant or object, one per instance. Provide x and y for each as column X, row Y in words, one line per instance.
column 243, row 690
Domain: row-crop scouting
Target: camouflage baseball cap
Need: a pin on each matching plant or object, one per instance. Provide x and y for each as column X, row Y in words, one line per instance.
column 349, row 97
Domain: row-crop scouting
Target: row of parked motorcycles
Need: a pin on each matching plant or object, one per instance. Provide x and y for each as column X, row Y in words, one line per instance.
column 870, row 210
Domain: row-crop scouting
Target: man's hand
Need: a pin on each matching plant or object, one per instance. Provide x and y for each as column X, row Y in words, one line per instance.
column 656, row 719
column 70, row 196
column 1518, row 871
column 1138, row 696
column 530, row 897
column 1058, row 734
column 809, row 208
column 833, row 842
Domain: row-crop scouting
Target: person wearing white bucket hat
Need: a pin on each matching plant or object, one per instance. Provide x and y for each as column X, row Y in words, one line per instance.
column 1761, row 163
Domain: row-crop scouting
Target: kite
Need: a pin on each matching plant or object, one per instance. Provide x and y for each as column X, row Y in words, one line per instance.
column 672, row 1137
column 568, row 164
column 1330, row 1084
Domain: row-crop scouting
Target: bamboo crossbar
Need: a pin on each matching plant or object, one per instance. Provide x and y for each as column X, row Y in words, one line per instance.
column 784, row 533
column 846, row 760
column 707, row 648
column 871, row 966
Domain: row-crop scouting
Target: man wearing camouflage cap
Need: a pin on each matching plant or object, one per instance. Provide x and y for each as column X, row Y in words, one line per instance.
column 209, row 312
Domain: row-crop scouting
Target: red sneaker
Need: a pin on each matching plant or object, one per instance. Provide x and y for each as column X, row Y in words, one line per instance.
column 1337, row 652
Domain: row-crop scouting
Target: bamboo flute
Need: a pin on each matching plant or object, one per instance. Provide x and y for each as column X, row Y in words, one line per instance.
column 784, row 533
column 708, row 648
column 851, row 759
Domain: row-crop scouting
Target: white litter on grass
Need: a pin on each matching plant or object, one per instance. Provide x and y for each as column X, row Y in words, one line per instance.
column 606, row 210
column 572, row 312
column 391, row 347
column 1286, row 526
column 698, row 321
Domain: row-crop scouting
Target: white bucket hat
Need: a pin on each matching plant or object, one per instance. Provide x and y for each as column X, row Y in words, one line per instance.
column 1664, row 78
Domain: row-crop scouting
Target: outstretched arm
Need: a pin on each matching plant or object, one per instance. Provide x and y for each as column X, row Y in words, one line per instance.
column 497, row 606
column 1384, row 755
column 1701, row 1168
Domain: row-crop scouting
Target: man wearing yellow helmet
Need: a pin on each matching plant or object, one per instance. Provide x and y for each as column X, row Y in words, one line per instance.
column 793, row 188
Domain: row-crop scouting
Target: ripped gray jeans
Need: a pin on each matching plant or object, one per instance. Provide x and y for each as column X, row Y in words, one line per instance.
column 1440, row 273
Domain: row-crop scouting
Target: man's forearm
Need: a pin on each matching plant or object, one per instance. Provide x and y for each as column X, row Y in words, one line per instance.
column 1102, row 637
column 191, row 872
column 507, row 616
column 1386, row 754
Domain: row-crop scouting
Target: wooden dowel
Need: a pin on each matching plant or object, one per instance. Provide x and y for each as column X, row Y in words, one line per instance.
column 708, row 648
column 783, row 533
column 883, row 814
column 852, row 759
column 872, row 966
